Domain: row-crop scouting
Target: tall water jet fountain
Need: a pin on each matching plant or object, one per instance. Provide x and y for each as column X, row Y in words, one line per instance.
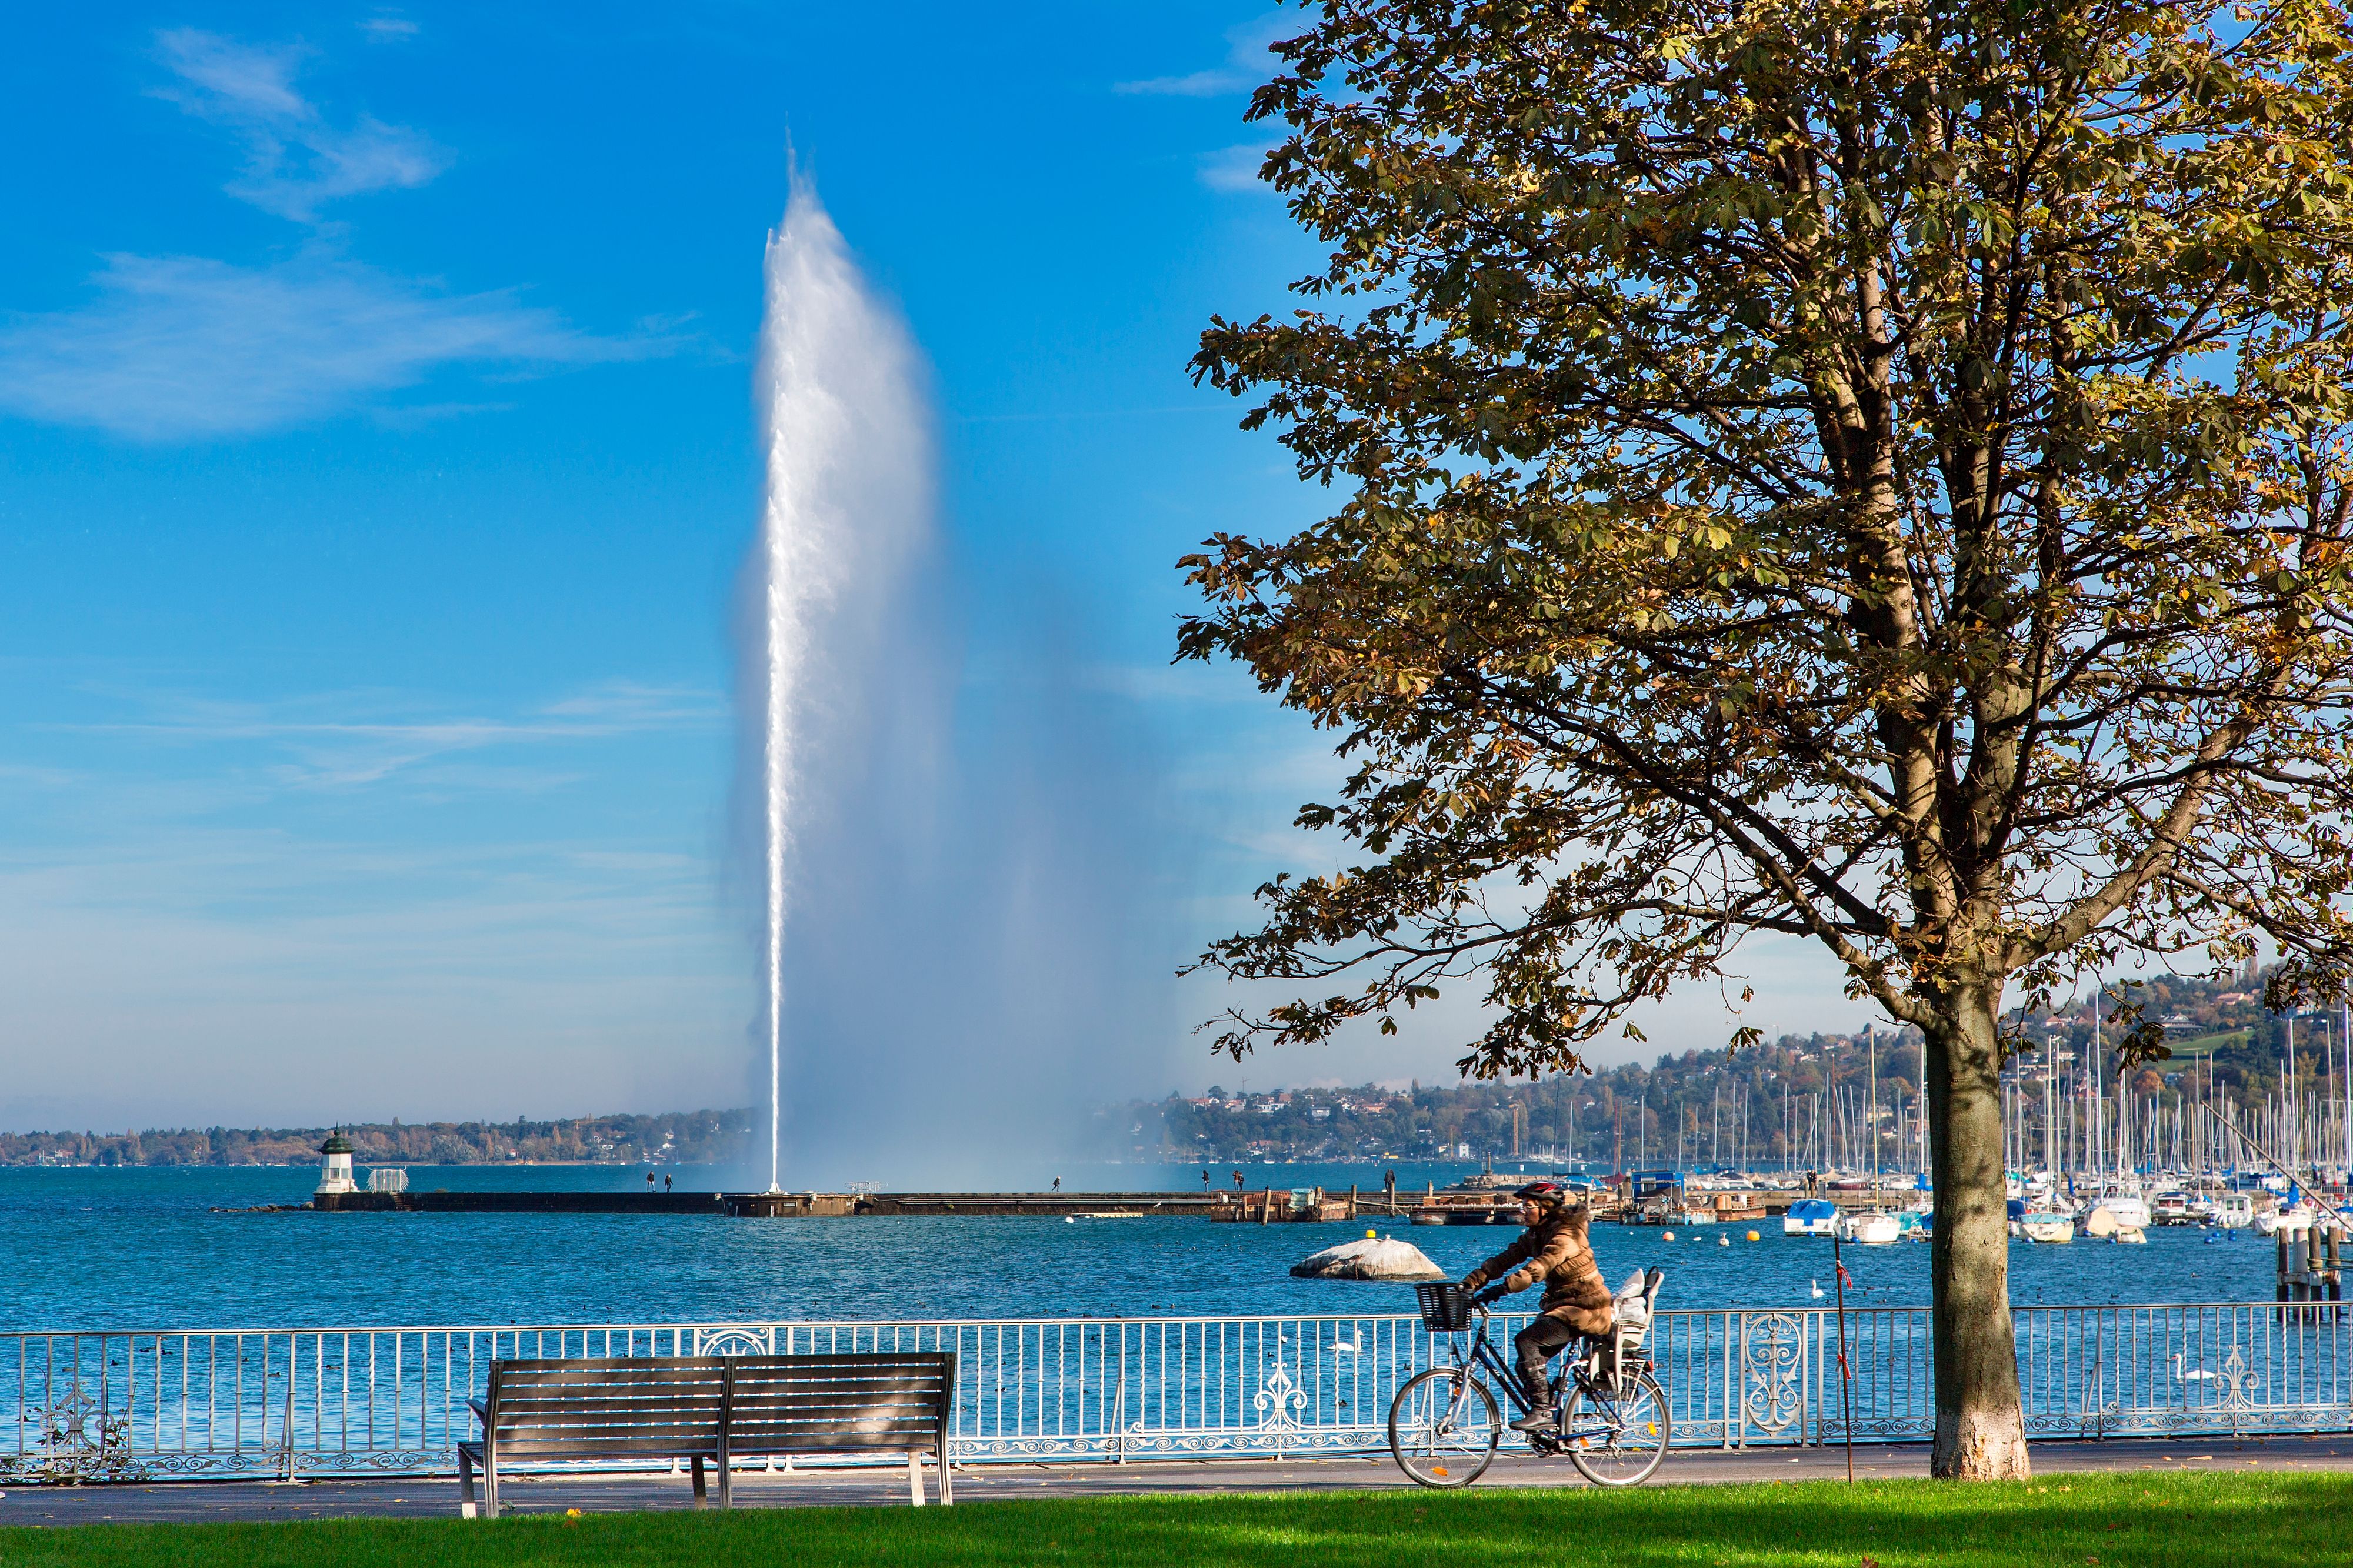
column 847, row 510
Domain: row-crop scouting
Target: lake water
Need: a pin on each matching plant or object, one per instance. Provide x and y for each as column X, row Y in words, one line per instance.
column 142, row 1248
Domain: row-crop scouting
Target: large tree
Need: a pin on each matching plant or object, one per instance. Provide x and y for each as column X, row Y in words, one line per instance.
column 1861, row 471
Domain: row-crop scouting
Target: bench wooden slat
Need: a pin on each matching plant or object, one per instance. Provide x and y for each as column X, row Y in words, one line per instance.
column 627, row 1392
column 617, row 1378
column 848, row 1359
column 890, row 1394
column 557, row 1422
column 923, row 1441
column 607, row 1448
column 617, row 1405
column 754, row 1387
column 763, row 1393
column 861, row 1415
column 793, row 1437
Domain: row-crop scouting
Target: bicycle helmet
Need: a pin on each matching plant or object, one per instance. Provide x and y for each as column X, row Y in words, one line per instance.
column 1541, row 1193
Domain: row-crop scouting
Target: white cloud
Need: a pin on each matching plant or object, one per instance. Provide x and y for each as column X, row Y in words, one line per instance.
column 296, row 160
column 385, row 29
column 1193, row 84
column 179, row 346
column 1232, row 168
column 1246, row 63
column 342, row 741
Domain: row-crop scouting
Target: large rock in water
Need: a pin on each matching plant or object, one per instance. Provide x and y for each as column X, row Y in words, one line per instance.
column 1373, row 1258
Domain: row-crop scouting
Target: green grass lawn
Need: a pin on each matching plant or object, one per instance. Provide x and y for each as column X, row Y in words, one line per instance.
column 2098, row 1521
column 2200, row 1045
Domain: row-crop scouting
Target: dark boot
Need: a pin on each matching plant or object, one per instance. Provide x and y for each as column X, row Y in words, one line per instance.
column 1539, row 1416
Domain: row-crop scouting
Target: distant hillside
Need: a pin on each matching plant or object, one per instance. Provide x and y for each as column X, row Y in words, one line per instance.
column 1803, row 1099
column 674, row 1138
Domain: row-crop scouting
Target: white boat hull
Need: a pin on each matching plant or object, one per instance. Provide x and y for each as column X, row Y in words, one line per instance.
column 1874, row 1229
column 2131, row 1212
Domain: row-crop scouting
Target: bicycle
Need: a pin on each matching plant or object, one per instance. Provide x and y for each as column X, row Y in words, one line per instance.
column 1613, row 1420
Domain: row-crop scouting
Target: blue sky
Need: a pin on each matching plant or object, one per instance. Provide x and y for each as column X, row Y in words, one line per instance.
column 377, row 461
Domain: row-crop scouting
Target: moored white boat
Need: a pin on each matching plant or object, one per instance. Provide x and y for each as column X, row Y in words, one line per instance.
column 2129, row 1209
column 1869, row 1227
column 2296, row 1216
column 2048, row 1225
column 1810, row 1217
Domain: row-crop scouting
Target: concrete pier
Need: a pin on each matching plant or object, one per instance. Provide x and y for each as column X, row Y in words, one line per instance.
column 442, row 1201
column 812, row 1204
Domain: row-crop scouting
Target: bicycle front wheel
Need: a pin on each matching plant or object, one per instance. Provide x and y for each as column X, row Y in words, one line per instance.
column 1444, row 1427
column 1618, row 1442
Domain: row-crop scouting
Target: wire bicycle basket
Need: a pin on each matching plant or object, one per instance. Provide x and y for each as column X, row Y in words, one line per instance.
column 1445, row 1307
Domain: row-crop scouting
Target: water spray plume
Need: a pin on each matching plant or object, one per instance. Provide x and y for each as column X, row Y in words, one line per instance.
column 847, row 489
column 958, row 864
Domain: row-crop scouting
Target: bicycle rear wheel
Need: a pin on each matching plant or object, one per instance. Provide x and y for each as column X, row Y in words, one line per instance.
column 1444, row 1427
column 1618, row 1442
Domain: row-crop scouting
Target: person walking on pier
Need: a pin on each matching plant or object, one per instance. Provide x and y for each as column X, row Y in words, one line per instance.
column 1554, row 1249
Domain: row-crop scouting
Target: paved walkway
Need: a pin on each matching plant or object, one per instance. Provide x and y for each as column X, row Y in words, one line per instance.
column 187, row 1501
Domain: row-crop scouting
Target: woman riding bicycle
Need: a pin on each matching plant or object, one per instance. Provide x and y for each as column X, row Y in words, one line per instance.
column 1576, row 1301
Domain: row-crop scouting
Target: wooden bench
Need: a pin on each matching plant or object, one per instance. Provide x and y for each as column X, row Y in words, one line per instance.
column 718, row 1410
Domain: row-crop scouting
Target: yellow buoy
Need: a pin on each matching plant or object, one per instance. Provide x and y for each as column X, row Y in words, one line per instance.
column 1666, row 1236
column 1752, row 1236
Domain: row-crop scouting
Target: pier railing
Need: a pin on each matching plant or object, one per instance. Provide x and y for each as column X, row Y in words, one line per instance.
column 117, row 1405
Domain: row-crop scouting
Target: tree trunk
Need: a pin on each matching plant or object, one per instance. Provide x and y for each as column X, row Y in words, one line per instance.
column 1980, row 1422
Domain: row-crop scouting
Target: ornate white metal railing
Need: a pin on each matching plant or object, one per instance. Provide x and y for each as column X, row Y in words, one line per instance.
column 101, row 1405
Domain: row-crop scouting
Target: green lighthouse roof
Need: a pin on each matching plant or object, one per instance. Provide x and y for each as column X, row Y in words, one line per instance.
column 336, row 1144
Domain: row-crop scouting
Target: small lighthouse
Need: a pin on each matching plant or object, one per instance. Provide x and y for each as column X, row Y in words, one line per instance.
column 335, row 1168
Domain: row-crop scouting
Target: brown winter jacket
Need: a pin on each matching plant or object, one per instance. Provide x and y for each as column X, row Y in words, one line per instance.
column 1555, row 1250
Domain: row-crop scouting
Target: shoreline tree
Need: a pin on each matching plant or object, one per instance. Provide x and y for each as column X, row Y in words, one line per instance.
column 1868, row 472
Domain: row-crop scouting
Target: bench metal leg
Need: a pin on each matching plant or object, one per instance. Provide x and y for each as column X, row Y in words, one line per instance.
column 947, row 1481
column 699, row 1492
column 489, row 1483
column 915, row 1478
column 465, row 1484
